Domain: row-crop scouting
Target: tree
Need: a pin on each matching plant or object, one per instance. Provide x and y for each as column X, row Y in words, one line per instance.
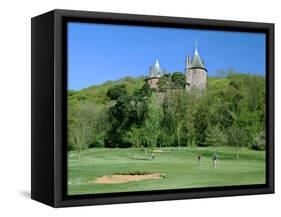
column 115, row 92
column 164, row 83
column 178, row 106
column 237, row 138
column 99, row 123
column 120, row 118
column 79, row 127
column 134, row 136
column 178, row 80
column 164, row 138
column 201, row 119
column 139, row 104
column 129, row 110
column 181, row 115
column 215, row 137
column 152, row 122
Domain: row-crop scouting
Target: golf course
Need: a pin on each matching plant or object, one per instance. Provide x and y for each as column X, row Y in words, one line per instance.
column 169, row 168
column 141, row 121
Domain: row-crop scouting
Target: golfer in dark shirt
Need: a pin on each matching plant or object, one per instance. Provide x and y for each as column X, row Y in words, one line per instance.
column 199, row 159
column 215, row 159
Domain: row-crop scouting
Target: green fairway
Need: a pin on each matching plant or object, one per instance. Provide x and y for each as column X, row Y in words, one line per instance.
column 178, row 167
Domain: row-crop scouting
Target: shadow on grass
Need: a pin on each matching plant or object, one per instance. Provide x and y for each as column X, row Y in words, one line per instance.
column 140, row 158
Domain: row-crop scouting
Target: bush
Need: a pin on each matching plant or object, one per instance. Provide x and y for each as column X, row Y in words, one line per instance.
column 259, row 142
column 97, row 144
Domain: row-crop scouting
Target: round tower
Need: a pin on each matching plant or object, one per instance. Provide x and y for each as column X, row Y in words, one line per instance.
column 155, row 73
column 196, row 73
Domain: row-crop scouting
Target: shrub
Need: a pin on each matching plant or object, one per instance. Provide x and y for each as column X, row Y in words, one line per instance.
column 259, row 142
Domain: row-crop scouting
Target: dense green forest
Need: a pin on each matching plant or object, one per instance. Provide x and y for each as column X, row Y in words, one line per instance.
column 127, row 113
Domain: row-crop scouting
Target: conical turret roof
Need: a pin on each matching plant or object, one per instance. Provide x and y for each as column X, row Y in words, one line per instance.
column 157, row 65
column 155, row 71
column 196, row 60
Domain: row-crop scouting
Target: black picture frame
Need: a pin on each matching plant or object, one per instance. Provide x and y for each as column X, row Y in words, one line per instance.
column 49, row 86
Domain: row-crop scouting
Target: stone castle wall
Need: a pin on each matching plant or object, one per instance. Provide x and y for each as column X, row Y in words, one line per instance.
column 198, row 78
column 153, row 82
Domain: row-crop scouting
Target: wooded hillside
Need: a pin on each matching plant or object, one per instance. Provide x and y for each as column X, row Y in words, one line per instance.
column 126, row 113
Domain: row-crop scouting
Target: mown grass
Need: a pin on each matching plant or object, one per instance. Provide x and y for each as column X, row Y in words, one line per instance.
column 179, row 169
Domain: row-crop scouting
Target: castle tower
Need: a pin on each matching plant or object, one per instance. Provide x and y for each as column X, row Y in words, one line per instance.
column 155, row 73
column 195, row 72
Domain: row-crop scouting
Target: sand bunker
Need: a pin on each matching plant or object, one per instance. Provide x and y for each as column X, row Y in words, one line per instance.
column 117, row 179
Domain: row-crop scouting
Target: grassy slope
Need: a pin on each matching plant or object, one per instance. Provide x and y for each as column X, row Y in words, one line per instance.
column 97, row 93
column 180, row 168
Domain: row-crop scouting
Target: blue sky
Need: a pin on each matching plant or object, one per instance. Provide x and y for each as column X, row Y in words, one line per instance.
column 101, row 52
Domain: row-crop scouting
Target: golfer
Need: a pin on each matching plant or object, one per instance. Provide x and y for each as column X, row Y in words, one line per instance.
column 198, row 159
column 215, row 160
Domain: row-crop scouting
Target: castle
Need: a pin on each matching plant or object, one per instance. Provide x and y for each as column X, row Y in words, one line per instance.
column 195, row 73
